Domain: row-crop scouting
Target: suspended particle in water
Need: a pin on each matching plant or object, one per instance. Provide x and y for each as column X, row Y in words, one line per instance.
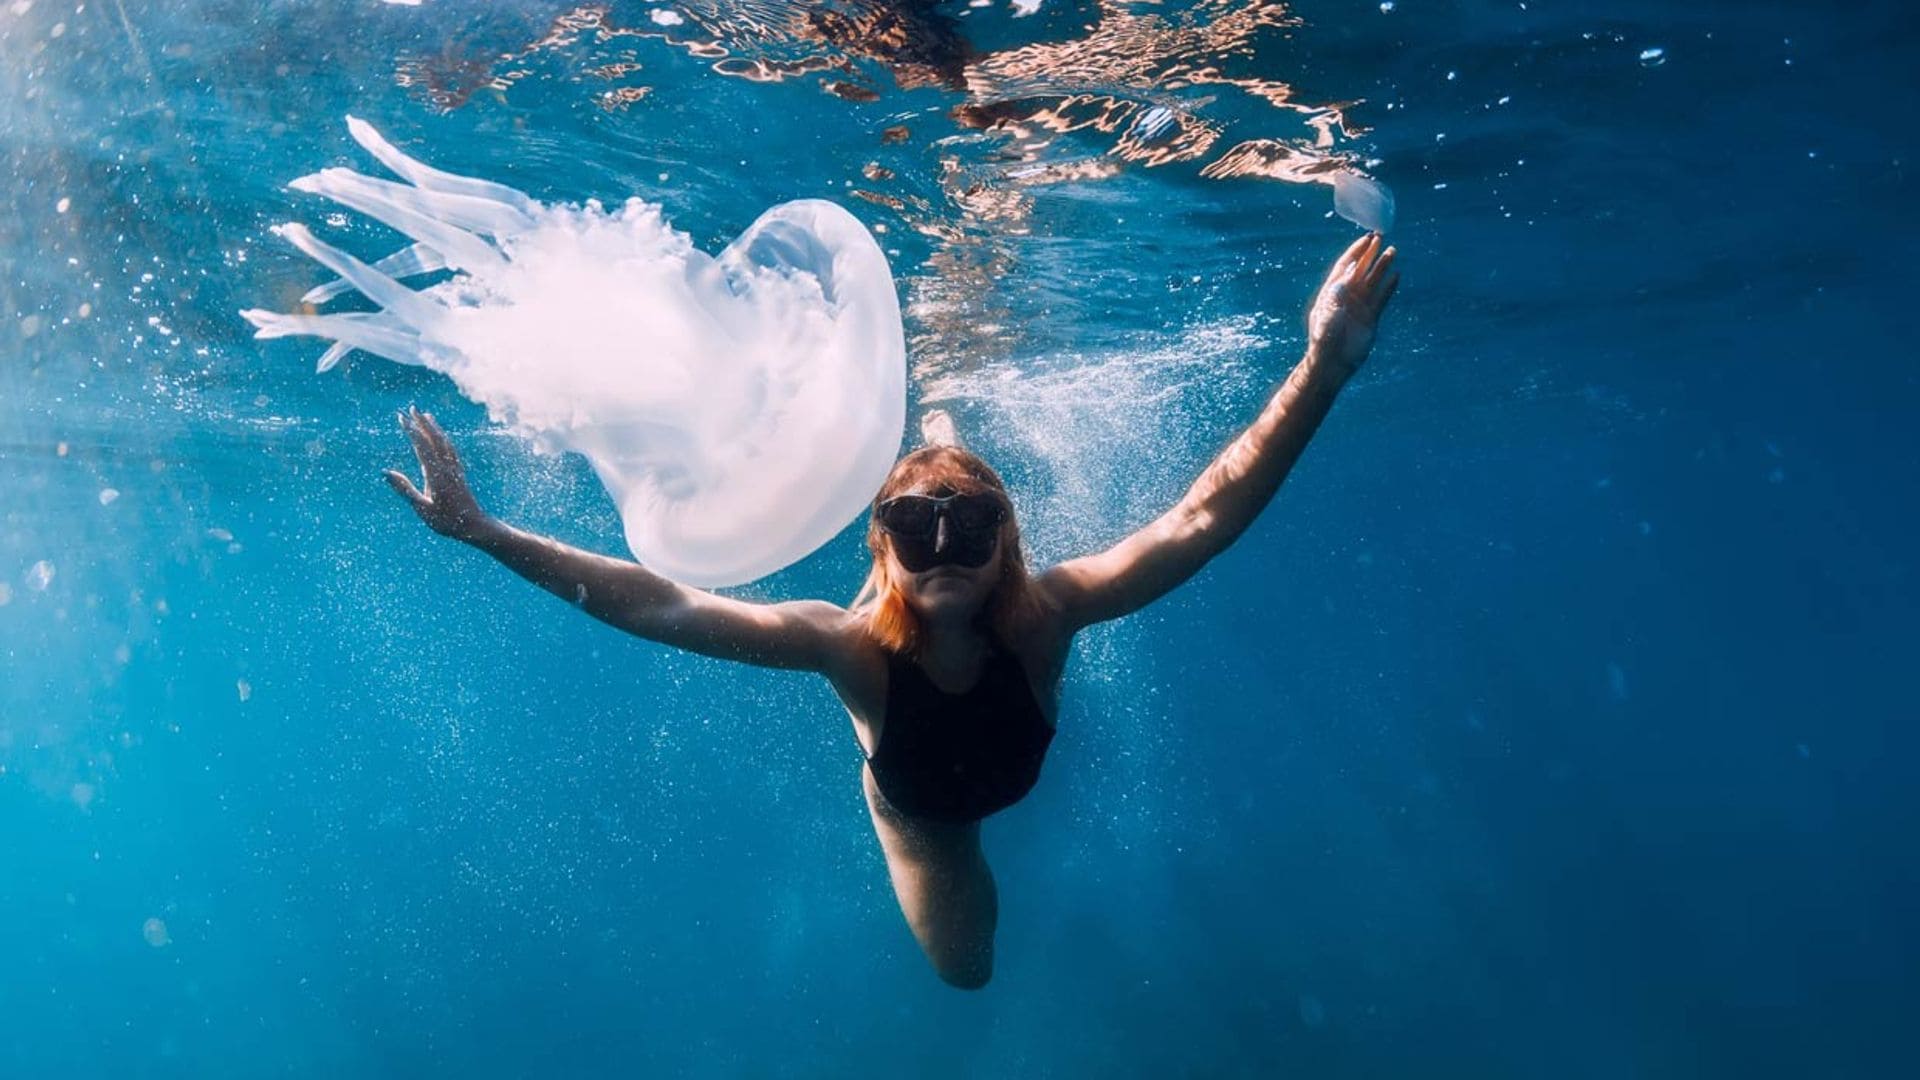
column 107, row 495
column 1617, row 681
column 65, row 204
column 6, row 594
column 245, row 690
column 155, row 933
column 82, row 795
column 1653, row 57
column 40, row 575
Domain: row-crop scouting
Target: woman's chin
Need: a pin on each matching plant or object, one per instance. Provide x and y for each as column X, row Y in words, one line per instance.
column 946, row 597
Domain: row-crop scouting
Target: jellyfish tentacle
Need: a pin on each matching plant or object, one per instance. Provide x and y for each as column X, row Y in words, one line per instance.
column 427, row 177
column 408, row 262
column 331, row 358
column 462, row 250
column 380, row 335
column 476, row 215
column 412, row 308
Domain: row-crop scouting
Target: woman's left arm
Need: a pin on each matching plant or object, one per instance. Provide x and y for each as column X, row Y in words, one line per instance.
column 1233, row 490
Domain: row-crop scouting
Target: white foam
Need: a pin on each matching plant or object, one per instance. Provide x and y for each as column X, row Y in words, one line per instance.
column 1111, row 431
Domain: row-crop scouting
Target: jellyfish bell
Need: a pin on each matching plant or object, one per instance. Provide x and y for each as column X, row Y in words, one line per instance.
column 740, row 409
column 1363, row 200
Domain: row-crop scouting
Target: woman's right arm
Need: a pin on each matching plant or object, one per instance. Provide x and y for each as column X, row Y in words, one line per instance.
column 806, row 635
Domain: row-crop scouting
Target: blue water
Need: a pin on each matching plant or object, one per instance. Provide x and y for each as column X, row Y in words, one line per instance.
column 1557, row 720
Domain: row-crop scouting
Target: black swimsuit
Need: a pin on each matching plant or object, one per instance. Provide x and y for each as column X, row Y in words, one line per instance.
column 959, row 757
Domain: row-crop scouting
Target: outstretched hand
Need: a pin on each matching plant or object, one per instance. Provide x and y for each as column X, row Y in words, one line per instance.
column 443, row 500
column 1341, row 323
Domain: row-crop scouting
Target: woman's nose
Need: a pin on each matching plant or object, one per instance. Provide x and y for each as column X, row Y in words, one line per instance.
column 940, row 534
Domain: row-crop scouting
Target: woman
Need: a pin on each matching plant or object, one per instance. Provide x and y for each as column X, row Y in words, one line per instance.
column 949, row 661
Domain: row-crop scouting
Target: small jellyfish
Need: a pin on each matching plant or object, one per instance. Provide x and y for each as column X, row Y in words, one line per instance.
column 1363, row 200
column 740, row 409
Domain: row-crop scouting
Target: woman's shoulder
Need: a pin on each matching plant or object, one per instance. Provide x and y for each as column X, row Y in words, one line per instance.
column 858, row 670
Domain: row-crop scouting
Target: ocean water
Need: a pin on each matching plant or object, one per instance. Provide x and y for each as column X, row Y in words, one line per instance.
column 1556, row 720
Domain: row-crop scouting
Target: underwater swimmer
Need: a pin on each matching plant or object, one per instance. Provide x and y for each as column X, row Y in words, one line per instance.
column 949, row 660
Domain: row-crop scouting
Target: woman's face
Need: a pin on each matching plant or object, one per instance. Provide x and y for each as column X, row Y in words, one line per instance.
column 946, row 589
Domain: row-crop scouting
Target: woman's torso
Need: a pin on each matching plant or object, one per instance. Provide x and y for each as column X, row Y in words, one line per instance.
column 870, row 677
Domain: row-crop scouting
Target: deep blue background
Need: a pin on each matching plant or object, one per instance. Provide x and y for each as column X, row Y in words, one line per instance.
column 1557, row 720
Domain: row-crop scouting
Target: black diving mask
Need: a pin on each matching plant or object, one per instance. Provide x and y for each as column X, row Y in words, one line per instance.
column 951, row 530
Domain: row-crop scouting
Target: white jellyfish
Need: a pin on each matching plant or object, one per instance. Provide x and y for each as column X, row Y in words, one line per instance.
column 1363, row 200
column 739, row 409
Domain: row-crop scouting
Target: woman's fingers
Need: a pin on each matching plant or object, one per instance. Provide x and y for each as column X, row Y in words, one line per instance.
column 422, row 446
column 405, row 489
column 1378, row 271
column 436, row 453
column 448, row 457
column 1386, row 292
column 440, row 440
column 1351, row 256
column 436, row 438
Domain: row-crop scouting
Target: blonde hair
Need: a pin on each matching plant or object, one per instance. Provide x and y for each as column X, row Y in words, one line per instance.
column 890, row 619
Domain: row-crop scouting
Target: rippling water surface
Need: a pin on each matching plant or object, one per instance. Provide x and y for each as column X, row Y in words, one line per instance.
column 1555, row 721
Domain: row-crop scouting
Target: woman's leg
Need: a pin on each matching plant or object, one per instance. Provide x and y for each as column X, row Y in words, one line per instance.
column 945, row 889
